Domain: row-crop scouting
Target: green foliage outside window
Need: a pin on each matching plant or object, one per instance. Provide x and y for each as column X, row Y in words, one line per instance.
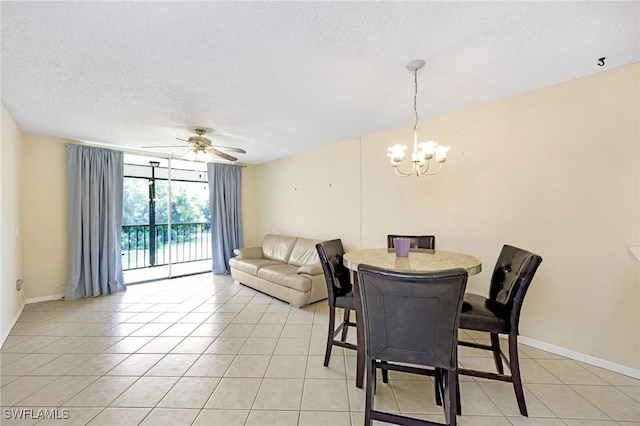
column 190, row 218
column 189, row 202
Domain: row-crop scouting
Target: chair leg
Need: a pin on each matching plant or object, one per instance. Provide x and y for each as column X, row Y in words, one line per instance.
column 458, row 399
column 385, row 373
column 345, row 327
column 332, row 324
column 440, row 389
column 514, row 366
column 369, row 391
column 360, row 358
column 450, row 398
column 495, row 345
column 438, row 386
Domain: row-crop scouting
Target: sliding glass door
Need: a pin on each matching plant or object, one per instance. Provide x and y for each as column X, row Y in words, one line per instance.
column 166, row 219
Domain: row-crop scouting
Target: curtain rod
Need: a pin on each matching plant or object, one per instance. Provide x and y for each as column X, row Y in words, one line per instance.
column 140, row 152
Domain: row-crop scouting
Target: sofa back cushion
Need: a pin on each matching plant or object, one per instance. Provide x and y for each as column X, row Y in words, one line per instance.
column 304, row 252
column 277, row 247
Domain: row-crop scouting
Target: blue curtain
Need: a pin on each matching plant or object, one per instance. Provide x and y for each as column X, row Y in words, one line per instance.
column 94, row 184
column 226, row 224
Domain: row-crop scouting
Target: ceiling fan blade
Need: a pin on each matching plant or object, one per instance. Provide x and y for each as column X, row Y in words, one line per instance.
column 180, row 139
column 232, row 149
column 221, row 154
column 189, row 155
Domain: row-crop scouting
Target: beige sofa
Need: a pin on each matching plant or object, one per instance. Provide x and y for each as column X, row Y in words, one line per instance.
column 287, row 268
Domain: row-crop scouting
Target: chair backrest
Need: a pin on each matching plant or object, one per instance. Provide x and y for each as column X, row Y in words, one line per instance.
column 417, row 241
column 412, row 318
column 510, row 281
column 335, row 273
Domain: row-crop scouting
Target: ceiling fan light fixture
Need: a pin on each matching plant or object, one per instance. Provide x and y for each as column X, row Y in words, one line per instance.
column 204, row 156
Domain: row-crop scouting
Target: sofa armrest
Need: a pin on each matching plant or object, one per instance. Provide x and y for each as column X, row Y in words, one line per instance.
column 312, row 269
column 249, row 253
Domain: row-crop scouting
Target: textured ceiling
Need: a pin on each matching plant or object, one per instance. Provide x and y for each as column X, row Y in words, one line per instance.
column 278, row 78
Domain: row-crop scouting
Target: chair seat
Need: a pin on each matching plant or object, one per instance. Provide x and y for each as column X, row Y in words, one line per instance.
column 477, row 314
column 345, row 301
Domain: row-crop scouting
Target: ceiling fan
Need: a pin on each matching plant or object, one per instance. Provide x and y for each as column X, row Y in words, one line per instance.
column 202, row 148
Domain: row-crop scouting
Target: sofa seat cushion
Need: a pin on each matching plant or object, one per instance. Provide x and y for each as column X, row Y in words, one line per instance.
column 251, row 266
column 285, row 275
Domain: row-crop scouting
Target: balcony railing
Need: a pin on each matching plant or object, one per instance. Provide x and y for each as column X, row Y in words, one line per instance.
column 190, row 242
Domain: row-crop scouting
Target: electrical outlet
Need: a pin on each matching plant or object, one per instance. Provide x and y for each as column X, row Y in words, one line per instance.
column 19, row 283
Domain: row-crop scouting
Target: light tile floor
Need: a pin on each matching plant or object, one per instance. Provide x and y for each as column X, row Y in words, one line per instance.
column 205, row 351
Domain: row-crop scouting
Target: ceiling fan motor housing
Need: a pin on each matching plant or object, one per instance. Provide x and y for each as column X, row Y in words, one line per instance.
column 199, row 142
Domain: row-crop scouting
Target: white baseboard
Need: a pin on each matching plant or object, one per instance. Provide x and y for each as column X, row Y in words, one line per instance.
column 578, row 356
column 5, row 333
column 45, row 298
column 23, row 303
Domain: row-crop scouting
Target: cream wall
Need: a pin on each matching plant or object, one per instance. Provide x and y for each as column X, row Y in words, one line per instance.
column 11, row 267
column 249, row 205
column 315, row 195
column 45, row 217
column 555, row 171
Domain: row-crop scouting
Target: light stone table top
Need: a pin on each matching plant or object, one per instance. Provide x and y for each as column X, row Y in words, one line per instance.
column 419, row 260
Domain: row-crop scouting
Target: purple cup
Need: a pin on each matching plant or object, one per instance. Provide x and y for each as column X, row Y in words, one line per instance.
column 402, row 245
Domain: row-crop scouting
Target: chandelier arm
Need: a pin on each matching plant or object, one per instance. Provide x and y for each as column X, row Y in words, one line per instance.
column 404, row 174
column 434, row 172
column 424, row 169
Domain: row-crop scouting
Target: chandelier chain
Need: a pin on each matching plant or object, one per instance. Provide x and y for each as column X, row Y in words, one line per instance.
column 415, row 99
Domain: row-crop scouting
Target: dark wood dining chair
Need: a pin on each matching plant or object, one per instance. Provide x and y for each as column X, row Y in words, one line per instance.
column 340, row 294
column 417, row 241
column 500, row 314
column 411, row 325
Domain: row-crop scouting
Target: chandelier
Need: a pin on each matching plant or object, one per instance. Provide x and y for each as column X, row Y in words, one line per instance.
column 423, row 152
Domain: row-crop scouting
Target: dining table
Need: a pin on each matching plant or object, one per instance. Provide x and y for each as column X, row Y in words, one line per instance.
column 418, row 261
